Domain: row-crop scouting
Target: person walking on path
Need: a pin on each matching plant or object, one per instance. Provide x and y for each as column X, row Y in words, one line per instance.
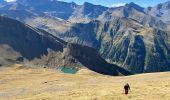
column 126, row 88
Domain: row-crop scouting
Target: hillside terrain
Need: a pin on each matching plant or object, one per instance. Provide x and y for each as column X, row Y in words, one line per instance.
column 26, row 83
column 21, row 43
column 125, row 42
column 56, row 50
column 130, row 36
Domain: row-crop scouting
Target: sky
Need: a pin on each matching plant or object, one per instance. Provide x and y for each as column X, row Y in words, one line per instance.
column 114, row 3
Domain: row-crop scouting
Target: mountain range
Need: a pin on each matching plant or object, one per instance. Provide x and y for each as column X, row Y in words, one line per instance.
column 130, row 36
column 21, row 43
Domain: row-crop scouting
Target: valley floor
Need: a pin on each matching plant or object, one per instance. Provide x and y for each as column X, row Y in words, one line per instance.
column 19, row 83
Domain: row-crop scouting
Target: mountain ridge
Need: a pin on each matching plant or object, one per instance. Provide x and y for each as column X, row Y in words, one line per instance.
column 21, row 43
column 120, row 34
column 124, row 42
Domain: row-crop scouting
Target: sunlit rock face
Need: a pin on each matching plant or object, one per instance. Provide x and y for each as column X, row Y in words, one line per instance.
column 126, row 43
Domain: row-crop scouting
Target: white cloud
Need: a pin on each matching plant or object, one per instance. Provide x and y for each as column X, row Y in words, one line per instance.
column 10, row 0
column 117, row 4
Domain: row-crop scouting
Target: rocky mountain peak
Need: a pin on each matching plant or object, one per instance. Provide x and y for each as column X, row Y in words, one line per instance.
column 135, row 6
column 164, row 6
column 90, row 5
column 87, row 4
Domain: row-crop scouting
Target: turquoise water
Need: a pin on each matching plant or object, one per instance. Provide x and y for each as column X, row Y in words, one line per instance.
column 69, row 70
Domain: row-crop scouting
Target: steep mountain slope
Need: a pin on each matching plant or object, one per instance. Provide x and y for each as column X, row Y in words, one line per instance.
column 22, row 43
column 126, row 43
column 23, row 39
column 52, row 10
column 17, row 11
column 87, row 12
column 51, row 7
column 67, row 11
column 160, row 11
column 54, row 26
column 34, row 17
column 126, row 35
column 129, row 10
column 135, row 12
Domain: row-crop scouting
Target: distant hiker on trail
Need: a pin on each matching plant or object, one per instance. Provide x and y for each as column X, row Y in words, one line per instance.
column 126, row 88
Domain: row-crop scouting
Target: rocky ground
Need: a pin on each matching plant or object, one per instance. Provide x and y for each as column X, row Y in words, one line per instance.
column 26, row 83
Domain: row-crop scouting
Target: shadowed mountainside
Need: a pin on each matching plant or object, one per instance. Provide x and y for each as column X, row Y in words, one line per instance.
column 26, row 44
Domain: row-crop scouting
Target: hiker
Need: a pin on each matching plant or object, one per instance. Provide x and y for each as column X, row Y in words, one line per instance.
column 126, row 88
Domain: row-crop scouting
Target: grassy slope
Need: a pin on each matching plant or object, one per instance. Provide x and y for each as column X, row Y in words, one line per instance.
column 18, row 83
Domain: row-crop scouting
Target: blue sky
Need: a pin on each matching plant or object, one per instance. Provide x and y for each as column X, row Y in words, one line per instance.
column 144, row 3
